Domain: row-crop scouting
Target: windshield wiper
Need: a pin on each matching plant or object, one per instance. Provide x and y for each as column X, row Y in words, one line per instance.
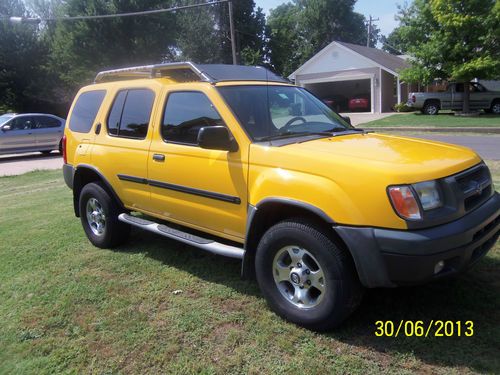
column 293, row 134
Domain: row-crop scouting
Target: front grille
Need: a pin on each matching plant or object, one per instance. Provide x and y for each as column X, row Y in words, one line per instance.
column 475, row 185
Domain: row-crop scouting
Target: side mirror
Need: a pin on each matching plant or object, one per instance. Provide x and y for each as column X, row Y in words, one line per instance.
column 6, row 128
column 347, row 119
column 216, row 138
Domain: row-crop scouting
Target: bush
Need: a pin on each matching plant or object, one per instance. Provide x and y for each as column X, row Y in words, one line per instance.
column 402, row 107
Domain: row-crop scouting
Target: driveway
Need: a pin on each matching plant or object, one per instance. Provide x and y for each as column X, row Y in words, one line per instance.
column 488, row 147
column 360, row 118
column 19, row 164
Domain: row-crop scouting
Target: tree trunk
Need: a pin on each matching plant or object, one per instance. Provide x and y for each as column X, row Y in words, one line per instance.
column 466, row 98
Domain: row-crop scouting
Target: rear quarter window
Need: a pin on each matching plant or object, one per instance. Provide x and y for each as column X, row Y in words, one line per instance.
column 85, row 110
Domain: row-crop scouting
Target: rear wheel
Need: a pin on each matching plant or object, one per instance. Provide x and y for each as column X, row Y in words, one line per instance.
column 495, row 107
column 431, row 108
column 305, row 276
column 99, row 215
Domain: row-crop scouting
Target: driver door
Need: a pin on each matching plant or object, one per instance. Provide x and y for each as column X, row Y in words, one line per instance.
column 201, row 188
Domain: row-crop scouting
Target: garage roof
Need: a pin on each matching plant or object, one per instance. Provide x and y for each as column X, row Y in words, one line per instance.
column 383, row 58
column 390, row 63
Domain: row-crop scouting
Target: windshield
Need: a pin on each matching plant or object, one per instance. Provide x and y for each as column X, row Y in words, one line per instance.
column 5, row 118
column 280, row 111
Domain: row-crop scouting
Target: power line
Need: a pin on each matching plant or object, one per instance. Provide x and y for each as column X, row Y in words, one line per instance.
column 141, row 13
column 116, row 15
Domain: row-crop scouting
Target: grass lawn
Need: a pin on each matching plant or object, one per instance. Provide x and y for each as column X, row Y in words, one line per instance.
column 443, row 119
column 67, row 307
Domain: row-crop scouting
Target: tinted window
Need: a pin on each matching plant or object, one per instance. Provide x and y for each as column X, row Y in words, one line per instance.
column 129, row 116
column 136, row 113
column 115, row 115
column 185, row 113
column 85, row 111
column 42, row 122
column 21, row 123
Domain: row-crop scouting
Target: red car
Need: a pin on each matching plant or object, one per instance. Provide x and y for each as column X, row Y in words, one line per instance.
column 359, row 102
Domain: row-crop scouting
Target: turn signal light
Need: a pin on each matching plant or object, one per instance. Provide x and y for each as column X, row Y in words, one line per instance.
column 404, row 202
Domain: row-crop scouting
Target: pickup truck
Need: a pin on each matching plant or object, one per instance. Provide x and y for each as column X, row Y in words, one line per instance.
column 431, row 102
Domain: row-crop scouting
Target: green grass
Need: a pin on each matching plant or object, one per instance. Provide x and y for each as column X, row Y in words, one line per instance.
column 443, row 119
column 67, row 307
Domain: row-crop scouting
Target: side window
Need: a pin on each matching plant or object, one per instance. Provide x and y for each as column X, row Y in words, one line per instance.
column 42, row 122
column 115, row 115
column 130, row 113
column 85, row 111
column 22, row 123
column 185, row 114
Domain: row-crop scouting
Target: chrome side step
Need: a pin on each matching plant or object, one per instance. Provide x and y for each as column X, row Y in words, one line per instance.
column 187, row 238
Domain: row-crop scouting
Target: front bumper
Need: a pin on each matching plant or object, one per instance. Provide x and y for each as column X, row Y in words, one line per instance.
column 387, row 258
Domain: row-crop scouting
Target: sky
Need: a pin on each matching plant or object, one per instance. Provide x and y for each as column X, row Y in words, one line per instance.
column 382, row 9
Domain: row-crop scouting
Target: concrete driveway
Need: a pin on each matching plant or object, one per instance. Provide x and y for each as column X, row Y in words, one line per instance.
column 22, row 163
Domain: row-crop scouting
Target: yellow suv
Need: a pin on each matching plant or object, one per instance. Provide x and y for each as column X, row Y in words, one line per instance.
column 239, row 162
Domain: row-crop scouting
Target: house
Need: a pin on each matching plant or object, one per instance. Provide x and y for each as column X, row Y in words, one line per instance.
column 344, row 71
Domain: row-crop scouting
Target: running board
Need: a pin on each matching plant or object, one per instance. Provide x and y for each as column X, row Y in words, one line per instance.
column 187, row 238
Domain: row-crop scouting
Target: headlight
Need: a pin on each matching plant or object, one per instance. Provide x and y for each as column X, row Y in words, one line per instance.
column 405, row 203
column 428, row 194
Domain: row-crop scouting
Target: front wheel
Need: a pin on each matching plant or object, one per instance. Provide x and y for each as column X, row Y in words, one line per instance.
column 99, row 215
column 305, row 276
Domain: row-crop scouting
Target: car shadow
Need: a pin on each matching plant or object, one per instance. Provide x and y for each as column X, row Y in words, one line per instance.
column 472, row 296
column 31, row 156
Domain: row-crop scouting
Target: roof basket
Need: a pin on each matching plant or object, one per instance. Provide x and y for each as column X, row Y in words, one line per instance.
column 181, row 71
column 189, row 72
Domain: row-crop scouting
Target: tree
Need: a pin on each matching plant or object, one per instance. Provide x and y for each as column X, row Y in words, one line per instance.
column 457, row 40
column 22, row 59
column 299, row 29
column 81, row 48
column 204, row 33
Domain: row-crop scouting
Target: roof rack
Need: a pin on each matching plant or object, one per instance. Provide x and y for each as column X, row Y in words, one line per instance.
column 189, row 72
column 185, row 71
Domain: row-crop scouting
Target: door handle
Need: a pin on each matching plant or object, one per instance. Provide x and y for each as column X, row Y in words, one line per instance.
column 158, row 157
column 98, row 128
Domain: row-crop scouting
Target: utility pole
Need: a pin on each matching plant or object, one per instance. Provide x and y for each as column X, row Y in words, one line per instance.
column 369, row 34
column 231, row 28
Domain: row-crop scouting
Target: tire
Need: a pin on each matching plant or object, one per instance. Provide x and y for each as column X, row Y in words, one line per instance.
column 431, row 108
column 495, row 107
column 331, row 289
column 99, row 215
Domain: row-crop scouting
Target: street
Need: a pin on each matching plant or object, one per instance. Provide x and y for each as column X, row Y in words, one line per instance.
column 488, row 147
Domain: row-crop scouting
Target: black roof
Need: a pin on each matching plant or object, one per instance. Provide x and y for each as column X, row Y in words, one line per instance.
column 226, row 72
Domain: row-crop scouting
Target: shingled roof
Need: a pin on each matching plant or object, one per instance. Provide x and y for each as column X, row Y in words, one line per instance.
column 387, row 60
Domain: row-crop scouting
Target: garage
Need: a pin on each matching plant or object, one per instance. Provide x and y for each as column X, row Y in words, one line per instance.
column 344, row 96
column 353, row 78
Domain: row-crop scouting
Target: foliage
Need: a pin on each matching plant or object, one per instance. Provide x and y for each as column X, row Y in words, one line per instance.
column 403, row 107
column 22, row 59
column 300, row 29
column 450, row 39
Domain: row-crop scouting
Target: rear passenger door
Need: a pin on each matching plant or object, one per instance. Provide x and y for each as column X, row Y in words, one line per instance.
column 120, row 149
column 48, row 132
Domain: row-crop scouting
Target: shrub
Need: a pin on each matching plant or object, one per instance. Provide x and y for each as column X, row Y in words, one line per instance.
column 402, row 107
